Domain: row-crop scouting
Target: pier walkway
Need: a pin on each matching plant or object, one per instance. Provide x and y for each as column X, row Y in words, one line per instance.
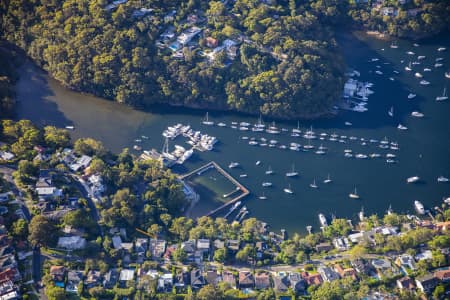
column 238, row 185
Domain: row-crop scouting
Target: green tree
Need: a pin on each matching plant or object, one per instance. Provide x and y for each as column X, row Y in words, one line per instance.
column 19, row 229
column 42, row 232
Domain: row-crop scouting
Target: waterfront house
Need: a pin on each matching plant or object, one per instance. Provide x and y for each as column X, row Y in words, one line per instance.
column 58, row 274
column 197, row 279
column 323, row 247
column 406, row 283
column 246, row 280
column 262, row 281
column 341, row 243
column 111, row 278
column 427, row 283
column 73, row 280
column 81, row 163
column 229, row 279
column 327, row 274
column 93, row 278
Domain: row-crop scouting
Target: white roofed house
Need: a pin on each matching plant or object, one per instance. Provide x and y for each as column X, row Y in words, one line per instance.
column 81, row 163
column 72, row 242
column 45, row 187
column 126, row 275
column 157, row 247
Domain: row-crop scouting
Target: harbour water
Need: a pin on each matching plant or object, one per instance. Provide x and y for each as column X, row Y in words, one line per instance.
column 424, row 149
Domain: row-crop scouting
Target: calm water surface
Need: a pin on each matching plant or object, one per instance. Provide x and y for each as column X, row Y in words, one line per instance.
column 424, row 148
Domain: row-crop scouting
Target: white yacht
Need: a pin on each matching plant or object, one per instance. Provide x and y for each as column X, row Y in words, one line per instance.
column 258, row 163
column 410, row 53
column 419, row 207
column 427, row 70
column 361, row 156
column 328, row 180
column 288, row 190
column 417, row 114
column 447, row 74
column 262, row 197
column 442, row 179
column 378, row 72
column 443, row 97
column 408, row 67
column 418, row 75
column 361, row 215
column 206, row 121
column 391, row 112
column 323, row 220
column 354, row 194
column 221, row 124
column 269, row 171
column 412, row 179
column 348, row 124
column 402, row 127
column 424, row 82
column 394, row 45
column 233, row 165
column 266, row 184
column 297, row 130
column 292, row 173
column 313, row 184
column 411, row 96
column 421, row 57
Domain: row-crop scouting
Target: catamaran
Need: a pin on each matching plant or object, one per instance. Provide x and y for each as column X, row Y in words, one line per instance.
column 292, row 173
column 354, row 195
column 443, row 97
column 206, row 121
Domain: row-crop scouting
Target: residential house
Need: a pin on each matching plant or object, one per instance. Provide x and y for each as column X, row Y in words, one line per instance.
column 262, row 281
column 189, row 248
column 203, row 245
column 281, row 283
column 169, row 17
column 323, row 247
column 246, row 280
column 327, row 273
column 312, row 279
column 342, row 243
column 297, row 283
column 405, row 261
column 93, row 278
column 197, row 279
column 126, row 275
column 117, row 242
column 361, row 266
column 165, row 282
column 187, row 35
column 406, row 283
column 181, row 281
column 111, row 278
column 10, row 273
column 425, row 255
column 233, row 245
column 157, row 248
column 218, row 244
column 141, row 245
column 427, row 283
column 348, row 272
column 73, row 280
column 260, row 248
column 229, row 278
column 382, row 266
column 212, row 277
column 44, row 186
column 443, row 274
column 9, row 291
column 72, row 242
column 5, row 155
column 389, row 11
column 58, row 275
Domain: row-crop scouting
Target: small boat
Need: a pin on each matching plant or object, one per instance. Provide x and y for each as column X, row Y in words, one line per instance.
column 269, row 171
column 421, row 57
column 262, row 197
column 394, row 45
column 206, row 121
column 137, row 147
column 361, row 156
column 427, row 70
column 412, row 179
column 440, row 49
column 361, row 215
column 408, row 67
column 439, row 59
column 221, row 124
column 233, row 165
column 402, row 127
column 391, row 78
column 348, row 124
column 442, row 179
column 438, row 65
column 144, row 137
column 416, row 45
column 288, row 190
column 410, row 53
column 443, row 97
column 390, row 211
column 313, row 184
column 354, row 194
column 297, row 130
column 266, row 184
column 424, row 82
column 411, row 96
column 328, row 180
column 323, row 220
column 419, row 207
column 70, row 127
column 417, row 114
column 258, row 163
column 447, row 74
column 418, row 75
column 292, row 173
column 243, row 175
column 391, row 112
column 378, row 72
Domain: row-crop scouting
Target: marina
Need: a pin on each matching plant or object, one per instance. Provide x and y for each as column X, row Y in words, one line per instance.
column 421, row 150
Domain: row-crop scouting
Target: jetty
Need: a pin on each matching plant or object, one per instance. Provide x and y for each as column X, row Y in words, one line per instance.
column 239, row 186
